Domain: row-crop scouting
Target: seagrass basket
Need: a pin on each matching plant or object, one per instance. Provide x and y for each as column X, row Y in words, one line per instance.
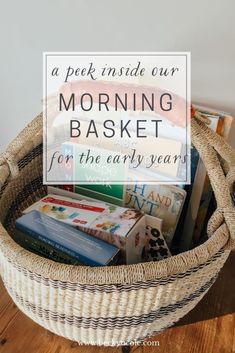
column 110, row 305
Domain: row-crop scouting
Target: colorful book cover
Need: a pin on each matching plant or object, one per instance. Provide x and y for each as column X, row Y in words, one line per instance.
column 105, row 217
column 134, row 247
column 85, row 168
column 137, row 246
column 114, row 194
column 125, row 147
column 71, row 241
column 162, row 201
column 111, row 223
column 67, row 210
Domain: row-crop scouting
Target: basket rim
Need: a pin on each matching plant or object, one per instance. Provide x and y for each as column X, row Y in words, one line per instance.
column 27, row 262
column 24, row 260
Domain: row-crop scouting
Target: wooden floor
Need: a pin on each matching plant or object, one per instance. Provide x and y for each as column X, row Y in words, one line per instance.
column 209, row 328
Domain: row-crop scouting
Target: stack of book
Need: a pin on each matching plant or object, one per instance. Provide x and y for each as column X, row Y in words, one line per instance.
column 102, row 225
column 67, row 229
column 59, row 242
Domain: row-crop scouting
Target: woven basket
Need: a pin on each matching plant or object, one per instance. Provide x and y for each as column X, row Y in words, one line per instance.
column 110, row 305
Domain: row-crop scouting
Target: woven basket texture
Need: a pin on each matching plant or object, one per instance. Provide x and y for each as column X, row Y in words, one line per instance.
column 110, row 305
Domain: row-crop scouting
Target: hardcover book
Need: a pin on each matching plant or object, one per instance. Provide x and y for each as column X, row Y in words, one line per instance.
column 114, row 224
column 134, row 246
column 114, row 194
column 66, row 239
column 162, row 201
column 43, row 249
column 156, row 247
column 88, row 214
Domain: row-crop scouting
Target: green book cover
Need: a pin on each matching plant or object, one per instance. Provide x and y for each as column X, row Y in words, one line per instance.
column 114, row 194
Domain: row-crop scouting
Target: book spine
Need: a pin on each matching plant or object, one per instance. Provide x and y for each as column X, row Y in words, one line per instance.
column 68, row 150
column 43, row 249
column 79, row 257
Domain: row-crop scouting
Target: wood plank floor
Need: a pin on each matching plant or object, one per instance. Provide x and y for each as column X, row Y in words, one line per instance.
column 209, row 328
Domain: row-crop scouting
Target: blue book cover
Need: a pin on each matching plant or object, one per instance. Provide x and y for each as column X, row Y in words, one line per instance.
column 73, row 242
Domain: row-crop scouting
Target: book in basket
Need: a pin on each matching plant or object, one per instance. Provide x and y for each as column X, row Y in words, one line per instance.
column 67, row 240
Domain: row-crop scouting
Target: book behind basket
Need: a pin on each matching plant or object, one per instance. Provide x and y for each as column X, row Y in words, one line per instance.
column 67, row 242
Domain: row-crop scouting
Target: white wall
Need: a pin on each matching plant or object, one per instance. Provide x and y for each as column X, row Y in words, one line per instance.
column 27, row 28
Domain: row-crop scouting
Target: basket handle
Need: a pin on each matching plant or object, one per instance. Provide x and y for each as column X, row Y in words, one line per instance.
column 28, row 138
column 210, row 146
